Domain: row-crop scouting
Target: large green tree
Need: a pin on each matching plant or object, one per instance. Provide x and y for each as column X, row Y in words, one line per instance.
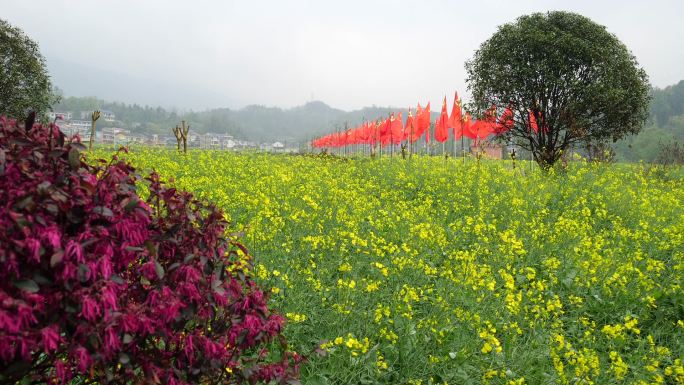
column 577, row 80
column 24, row 81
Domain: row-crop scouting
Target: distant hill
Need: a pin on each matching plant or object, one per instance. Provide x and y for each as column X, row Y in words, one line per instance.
column 82, row 80
column 254, row 122
column 665, row 124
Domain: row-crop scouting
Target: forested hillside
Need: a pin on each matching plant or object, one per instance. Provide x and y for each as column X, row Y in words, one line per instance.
column 254, row 122
column 666, row 123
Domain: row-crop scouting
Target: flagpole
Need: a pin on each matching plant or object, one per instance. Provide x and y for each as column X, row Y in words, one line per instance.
column 411, row 137
column 380, row 144
column 463, row 147
column 391, row 135
column 427, row 150
column 346, row 139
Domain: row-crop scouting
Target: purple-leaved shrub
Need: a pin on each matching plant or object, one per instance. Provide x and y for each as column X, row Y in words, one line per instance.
column 97, row 285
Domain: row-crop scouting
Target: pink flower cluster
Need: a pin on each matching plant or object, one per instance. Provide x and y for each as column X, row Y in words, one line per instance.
column 97, row 284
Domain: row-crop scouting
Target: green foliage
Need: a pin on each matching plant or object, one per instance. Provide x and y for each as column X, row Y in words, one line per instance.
column 434, row 271
column 668, row 105
column 24, row 81
column 666, row 125
column 580, row 82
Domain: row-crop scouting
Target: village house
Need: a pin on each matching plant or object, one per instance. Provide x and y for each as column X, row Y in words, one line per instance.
column 107, row 116
column 76, row 127
column 54, row 115
column 245, row 144
column 217, row 141
column 113, row 135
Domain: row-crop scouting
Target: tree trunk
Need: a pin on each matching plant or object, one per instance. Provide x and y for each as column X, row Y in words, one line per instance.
column 546, row 158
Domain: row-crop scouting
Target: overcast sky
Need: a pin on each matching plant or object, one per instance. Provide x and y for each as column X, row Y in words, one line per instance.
column 348, row 54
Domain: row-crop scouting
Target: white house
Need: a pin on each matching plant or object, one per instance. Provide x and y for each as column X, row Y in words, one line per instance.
column 52, row 115
column 108, row 116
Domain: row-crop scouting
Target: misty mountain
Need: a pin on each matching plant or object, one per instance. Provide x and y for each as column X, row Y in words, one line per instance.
column 82, row 80
column 254, row 122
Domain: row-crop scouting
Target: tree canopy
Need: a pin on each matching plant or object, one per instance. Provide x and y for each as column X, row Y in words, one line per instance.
column 24, row 81
column 568, row 80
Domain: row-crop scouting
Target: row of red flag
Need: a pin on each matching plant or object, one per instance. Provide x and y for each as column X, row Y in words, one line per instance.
column 394, row 131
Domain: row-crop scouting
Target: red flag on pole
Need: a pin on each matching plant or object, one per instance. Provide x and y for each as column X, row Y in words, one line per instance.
column 410, row 129
column 425, row 122
column 386, row 132
column 533, row 122
column 468, row 127
column 424, row 118
column 455, row 119
column 505, row 122
column 441, row 129
column 397, row 129
column 481, row 129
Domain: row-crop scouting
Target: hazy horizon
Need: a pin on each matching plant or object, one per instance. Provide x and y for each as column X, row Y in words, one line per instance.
column 349, row 55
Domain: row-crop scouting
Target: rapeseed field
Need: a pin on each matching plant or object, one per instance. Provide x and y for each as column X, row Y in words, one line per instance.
column 443, row 272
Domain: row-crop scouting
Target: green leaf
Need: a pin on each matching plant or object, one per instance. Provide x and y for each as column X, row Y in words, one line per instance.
column 159, row 269
column 24, row 202
column 41, row 279
column 131, row 205
column 151, row 248
column 104, row 211
column 83, row 271
column 27, row 285
column 127, row 338
column 174, row 266
column 56, row 258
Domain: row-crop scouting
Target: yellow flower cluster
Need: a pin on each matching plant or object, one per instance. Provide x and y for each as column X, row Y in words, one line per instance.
column 351, row 343
column 457, row 272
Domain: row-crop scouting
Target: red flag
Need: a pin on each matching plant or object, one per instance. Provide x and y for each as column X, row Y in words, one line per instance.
column 425, row 122
column 505, row 122
column 490, row 119
column 422, row 122
column 376, row 132
column 410, row 129
column 533, row 122
column 396, row 129
column 481, row 129
column 369, row 135
column 441, row 129
column 424, row 118
column 455, row 119
column 418, row 126
column 468, row 127
column 385, row 132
